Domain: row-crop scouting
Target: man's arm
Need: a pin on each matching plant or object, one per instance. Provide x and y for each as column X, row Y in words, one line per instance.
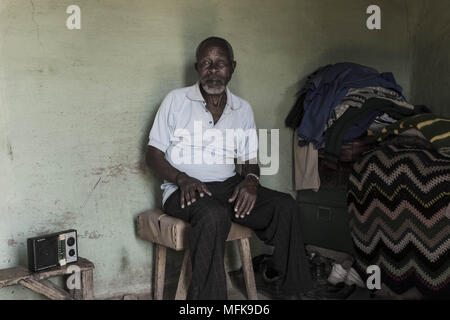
column 250, row 168
column 156, row 161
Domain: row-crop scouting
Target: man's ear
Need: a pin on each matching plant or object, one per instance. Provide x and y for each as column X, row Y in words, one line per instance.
column 196, row 66
column 233, row 66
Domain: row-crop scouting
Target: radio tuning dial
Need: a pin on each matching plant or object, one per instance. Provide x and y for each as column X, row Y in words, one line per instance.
column 70, row 241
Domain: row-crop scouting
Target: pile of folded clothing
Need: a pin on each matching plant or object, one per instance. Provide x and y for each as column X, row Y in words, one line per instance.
column 397, row 160
column 340, row 109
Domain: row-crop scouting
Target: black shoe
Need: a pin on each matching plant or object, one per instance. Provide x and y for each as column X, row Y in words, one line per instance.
column 274, row 292
column 260, row 261
column 320, row 267
column 271, row 286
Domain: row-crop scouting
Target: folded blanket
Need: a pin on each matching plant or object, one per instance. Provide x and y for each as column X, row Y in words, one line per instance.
column 435, row 129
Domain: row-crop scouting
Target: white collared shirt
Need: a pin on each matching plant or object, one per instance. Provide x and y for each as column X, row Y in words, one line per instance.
column 185, row 131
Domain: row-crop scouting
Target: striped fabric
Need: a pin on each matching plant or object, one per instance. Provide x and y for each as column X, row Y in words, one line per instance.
column 356, row 97
column 399, row 205
column 435, row 129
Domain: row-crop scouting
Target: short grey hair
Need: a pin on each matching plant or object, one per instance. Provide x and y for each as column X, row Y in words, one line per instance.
column 218, row 42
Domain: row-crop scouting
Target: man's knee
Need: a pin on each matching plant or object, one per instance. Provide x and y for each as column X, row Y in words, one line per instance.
column 286, row 205
column 214, row 215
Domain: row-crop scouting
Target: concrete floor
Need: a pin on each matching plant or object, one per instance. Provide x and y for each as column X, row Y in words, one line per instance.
column 237, row 292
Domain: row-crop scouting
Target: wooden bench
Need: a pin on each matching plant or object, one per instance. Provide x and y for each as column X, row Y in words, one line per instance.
column 38, row 281
column 169, row 232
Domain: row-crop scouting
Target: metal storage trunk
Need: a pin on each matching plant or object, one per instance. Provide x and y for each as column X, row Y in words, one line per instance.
column 325, row 220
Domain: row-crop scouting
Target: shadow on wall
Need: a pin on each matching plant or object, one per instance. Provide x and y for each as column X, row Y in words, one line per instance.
column 152, row 176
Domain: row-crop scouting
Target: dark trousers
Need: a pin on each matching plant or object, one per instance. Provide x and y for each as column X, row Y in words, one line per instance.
column 275, row 220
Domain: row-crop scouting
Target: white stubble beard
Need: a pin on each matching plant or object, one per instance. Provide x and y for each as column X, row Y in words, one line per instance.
column 214, row 91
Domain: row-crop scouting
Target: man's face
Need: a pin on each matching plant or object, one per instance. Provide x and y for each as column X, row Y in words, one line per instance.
column 214, row 69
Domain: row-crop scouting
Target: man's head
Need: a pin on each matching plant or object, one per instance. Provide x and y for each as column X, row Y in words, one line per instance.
column 215, row 64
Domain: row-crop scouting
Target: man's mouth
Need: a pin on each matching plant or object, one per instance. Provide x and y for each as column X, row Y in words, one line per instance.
column 214, row 81
column 213, row 85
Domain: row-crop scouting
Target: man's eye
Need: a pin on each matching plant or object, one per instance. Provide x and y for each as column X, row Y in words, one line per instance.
column 205, row 63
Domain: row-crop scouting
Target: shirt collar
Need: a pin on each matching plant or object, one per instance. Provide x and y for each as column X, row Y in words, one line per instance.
column 195, row 94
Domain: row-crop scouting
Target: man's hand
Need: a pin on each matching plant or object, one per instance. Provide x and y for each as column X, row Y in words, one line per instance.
column 189, row 187
column 245, row 193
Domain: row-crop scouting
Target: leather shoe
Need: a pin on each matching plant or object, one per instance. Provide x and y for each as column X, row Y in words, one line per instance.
column 271, row 287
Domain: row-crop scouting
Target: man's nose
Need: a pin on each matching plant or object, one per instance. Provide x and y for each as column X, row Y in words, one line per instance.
column 213, row 68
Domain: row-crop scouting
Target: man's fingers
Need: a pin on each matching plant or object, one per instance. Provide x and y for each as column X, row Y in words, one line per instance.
column 199, row 189
column 234, row 195
column 187, row 196
column 237, row 203
column 252, row 204
column 245, row 206
column 246, row 210
column 202, row 189
column 206, row 190
column 242, row 198
column 192, row 194
column 182, row 199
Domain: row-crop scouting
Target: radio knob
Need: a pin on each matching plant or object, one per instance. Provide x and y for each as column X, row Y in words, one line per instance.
column 70, row 241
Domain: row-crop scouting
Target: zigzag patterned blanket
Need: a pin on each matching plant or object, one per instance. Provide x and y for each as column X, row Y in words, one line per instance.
column 399, row 205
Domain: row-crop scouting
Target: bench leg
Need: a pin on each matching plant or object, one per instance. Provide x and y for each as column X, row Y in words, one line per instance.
column 229, row 283
column 185, row 277
column 87, row 285
column 247, row 268
column 86, row 289
column 160, row 271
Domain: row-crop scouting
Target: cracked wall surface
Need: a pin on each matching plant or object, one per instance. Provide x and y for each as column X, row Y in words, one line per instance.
column 76, row 106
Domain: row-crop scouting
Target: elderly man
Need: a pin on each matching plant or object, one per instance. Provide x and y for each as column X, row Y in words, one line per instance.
column 210, row 194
